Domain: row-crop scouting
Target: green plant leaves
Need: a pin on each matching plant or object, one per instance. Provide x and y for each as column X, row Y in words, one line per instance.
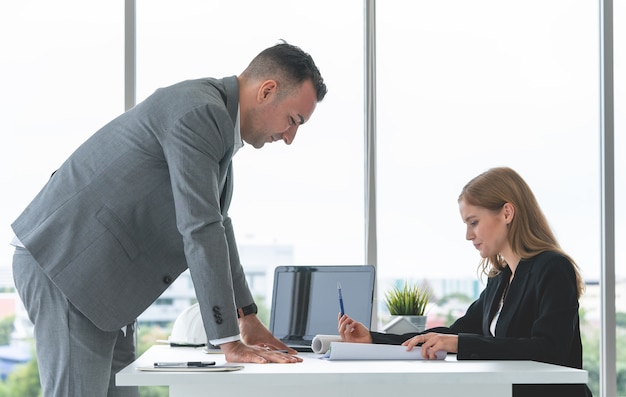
column 409, row 300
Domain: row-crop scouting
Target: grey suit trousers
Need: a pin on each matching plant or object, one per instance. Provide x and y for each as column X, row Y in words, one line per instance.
column 79, row 359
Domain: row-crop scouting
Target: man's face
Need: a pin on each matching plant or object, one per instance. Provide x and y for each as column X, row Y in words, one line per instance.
column 275, row 117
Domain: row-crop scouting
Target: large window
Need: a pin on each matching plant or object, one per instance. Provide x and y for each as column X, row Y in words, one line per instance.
column 461, row 87
column 62, row 78
column 466, row 86
column 297, row 204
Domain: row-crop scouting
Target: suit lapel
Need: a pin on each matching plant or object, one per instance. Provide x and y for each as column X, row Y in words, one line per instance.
column 231, row 87
column 493, row 299
column 514, row 296
column 227, row 192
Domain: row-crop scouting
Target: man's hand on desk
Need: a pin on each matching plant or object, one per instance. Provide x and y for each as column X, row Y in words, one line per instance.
column 259, row 345
column 241, row 353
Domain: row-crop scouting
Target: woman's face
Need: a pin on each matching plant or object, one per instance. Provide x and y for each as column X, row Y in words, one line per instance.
column 486, row 229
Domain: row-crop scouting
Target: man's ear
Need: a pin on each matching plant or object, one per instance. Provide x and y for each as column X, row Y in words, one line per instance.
column 509, row 212
column 266, row 90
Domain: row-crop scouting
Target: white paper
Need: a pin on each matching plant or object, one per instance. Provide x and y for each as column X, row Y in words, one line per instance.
column 370, row 351
column 321, row 343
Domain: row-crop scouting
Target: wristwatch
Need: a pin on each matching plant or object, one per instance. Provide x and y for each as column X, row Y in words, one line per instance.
column 244, row 311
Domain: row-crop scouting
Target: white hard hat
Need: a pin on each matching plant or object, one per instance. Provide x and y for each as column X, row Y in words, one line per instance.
column 188, row 328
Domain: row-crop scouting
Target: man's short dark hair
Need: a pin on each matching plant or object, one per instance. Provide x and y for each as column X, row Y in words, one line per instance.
column 289, row 63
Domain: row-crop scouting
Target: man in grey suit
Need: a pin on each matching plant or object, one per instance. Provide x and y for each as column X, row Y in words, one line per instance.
column 142, row 200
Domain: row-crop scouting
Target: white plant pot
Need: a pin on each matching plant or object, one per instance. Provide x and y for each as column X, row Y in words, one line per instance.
column 405, row 324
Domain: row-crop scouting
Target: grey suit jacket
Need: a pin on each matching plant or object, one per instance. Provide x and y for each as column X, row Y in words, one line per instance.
column 143, row 199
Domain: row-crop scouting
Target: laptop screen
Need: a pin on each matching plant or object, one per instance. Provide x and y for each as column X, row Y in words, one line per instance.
column 305, row 301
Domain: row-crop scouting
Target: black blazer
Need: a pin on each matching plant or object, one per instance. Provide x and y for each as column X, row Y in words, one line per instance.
column 539, row 320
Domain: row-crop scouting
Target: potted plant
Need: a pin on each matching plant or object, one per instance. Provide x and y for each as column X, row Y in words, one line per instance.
column 407, row 306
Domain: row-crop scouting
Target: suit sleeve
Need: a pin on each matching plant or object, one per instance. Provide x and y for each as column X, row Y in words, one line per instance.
column 243, row 296
column 194, row 149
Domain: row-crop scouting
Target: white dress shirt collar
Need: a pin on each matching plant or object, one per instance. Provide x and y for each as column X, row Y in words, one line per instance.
column 238, row 141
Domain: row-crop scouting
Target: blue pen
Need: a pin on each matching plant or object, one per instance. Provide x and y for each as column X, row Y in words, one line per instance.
column 340, row 298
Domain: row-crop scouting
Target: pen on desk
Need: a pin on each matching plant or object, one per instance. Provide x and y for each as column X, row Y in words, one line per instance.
column 340, row 298
column 184, row 364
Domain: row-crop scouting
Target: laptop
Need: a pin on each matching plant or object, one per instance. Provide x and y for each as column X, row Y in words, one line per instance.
column 305, row 301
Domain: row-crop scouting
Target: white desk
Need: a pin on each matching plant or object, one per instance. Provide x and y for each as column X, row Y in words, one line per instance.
column 314, row 376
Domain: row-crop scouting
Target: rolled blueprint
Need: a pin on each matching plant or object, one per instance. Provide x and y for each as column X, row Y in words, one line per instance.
column 321, row 343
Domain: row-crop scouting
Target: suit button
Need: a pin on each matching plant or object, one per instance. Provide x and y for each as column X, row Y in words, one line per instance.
column 167, row 279
column 217, row 314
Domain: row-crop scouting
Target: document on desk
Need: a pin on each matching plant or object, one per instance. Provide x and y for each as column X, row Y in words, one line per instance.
column 370, row 351
column 210, row 368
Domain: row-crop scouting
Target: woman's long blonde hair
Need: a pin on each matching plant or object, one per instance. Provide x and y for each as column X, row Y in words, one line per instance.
column 529, row 231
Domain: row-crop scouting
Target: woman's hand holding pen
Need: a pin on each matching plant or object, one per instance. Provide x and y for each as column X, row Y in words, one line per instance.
column 433, row 342
column 353, row 331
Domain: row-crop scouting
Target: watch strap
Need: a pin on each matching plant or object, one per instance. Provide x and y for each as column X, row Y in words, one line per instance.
column 244, row 311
